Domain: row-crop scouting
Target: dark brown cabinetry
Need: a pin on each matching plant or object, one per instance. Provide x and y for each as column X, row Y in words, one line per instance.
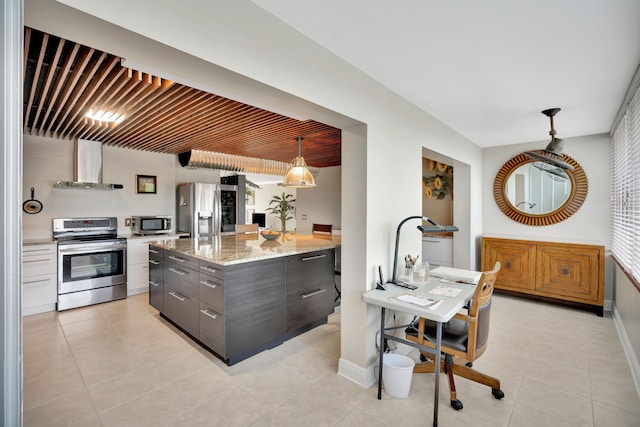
column 156, row 279
column 310, row 289
column 239, row 310
column 561, row 271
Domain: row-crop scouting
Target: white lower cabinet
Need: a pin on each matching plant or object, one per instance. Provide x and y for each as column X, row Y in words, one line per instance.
column 138, row 262
column 39, row 278
column 438, row 251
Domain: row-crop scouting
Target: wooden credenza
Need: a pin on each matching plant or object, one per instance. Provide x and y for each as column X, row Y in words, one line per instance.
column 560, row 271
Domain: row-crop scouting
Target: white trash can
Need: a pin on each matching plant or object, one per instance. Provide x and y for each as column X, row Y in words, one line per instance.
column 396, row 374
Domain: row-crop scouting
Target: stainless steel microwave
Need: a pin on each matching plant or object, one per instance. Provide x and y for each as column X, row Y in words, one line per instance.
column 151, row 224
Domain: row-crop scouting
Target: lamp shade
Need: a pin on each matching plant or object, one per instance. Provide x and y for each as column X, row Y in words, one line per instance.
column 298, row 176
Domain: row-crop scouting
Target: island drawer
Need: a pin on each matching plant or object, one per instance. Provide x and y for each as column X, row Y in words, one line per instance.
column 308, row 270
column 156, row 268
column 156, row 293
column 182, row 309
column 212, row 269
column 212, row 329
column 183, row 260
column 212, row 291
column 307, row 307
column 156, row 253
column 184, row 279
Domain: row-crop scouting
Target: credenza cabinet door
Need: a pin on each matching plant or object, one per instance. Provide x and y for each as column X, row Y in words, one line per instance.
column 563, row 271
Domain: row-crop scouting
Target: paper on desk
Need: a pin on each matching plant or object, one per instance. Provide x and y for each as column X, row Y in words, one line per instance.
column 447, row 291
column 430, row 303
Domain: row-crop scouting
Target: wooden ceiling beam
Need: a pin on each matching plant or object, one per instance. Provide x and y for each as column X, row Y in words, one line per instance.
column 62, row 78
column 53, row 66
column 76, row 74
column 96, row 79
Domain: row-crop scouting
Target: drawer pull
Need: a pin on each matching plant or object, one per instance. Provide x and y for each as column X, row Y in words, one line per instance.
column 312, row 293
column 36, row 260
column 176, row 296
column 309, row 258
column 32, row 282
column 206, row 313
column 175, row 270
column 152, row 283
column 210, row 285
column 154, row 251
column 154, row 262
column 175, row 258
column 210, row 270
column 431, row 241
column 35, row 250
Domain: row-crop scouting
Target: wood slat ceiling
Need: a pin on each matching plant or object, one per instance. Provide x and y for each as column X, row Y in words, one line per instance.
column 63, row 80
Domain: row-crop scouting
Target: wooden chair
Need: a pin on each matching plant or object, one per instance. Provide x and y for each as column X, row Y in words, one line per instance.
column 246, row 228
column 465, row 337
column 321, row 228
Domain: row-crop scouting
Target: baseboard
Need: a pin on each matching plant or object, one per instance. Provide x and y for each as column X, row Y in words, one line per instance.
column 137, row 291
column 608, row 305
column 364, row 377
column 30, row 311
column 628, row 350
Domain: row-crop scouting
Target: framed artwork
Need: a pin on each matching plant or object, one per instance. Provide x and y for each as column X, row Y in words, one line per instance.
column 146, row 184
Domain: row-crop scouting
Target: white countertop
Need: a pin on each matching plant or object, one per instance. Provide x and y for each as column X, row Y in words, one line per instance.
column 445, row 311
column 228, row 250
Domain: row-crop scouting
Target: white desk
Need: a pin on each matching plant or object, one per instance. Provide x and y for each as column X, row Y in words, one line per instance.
column 443, row 313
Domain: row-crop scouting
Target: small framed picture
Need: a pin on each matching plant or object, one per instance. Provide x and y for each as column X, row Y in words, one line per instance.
column 146, row 184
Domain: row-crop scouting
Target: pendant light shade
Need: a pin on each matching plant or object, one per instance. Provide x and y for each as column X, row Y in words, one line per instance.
column 298, row 175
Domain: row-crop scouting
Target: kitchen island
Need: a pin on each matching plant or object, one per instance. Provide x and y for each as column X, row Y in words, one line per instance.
column 240, row 295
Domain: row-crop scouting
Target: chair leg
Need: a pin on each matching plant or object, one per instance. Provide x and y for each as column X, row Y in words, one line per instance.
column 450, row 370
column 479, row 377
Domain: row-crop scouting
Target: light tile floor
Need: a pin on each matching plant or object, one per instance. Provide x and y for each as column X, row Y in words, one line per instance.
column 120, row 364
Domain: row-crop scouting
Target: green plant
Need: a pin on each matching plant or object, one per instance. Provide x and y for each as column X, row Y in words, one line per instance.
column 282, row 205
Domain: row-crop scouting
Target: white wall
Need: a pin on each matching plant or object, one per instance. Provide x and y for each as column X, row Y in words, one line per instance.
column 627, row 318
column 48, row 160
column 264, row 196
column 321, row 204
column 383, row 134
column 589, row 225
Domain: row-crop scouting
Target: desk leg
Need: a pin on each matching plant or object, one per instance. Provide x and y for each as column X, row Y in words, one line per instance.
column 381, row 352
column 437, row 373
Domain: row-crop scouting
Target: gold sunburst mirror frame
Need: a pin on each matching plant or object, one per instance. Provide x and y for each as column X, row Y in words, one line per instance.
column 577, row 195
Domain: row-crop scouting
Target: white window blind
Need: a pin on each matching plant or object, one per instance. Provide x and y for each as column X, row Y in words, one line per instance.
column 625, row 182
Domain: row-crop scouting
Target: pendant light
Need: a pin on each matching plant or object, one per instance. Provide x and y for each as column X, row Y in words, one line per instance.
column 298, row 175
column 552, row 154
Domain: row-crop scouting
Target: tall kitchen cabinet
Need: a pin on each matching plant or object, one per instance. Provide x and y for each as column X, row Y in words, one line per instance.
column 39, row 278
column 560, row 271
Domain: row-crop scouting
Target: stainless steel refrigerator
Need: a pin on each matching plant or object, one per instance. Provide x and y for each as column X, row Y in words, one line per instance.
column 206, row 210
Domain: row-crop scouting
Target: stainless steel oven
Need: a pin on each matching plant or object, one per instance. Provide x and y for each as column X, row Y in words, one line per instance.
column 92, row 261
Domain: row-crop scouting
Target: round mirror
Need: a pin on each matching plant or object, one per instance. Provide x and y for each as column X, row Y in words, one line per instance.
column 536, row 193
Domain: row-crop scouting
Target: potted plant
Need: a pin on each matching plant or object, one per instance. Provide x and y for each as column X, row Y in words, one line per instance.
column 281, row 206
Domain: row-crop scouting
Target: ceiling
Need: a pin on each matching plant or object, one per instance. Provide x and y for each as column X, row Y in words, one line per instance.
column 487, row 68
column 63, row 80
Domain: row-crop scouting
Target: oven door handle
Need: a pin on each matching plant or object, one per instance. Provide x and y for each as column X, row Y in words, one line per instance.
column 90, row 249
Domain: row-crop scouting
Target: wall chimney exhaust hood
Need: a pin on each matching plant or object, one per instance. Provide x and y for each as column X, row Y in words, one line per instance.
column 88, row 168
